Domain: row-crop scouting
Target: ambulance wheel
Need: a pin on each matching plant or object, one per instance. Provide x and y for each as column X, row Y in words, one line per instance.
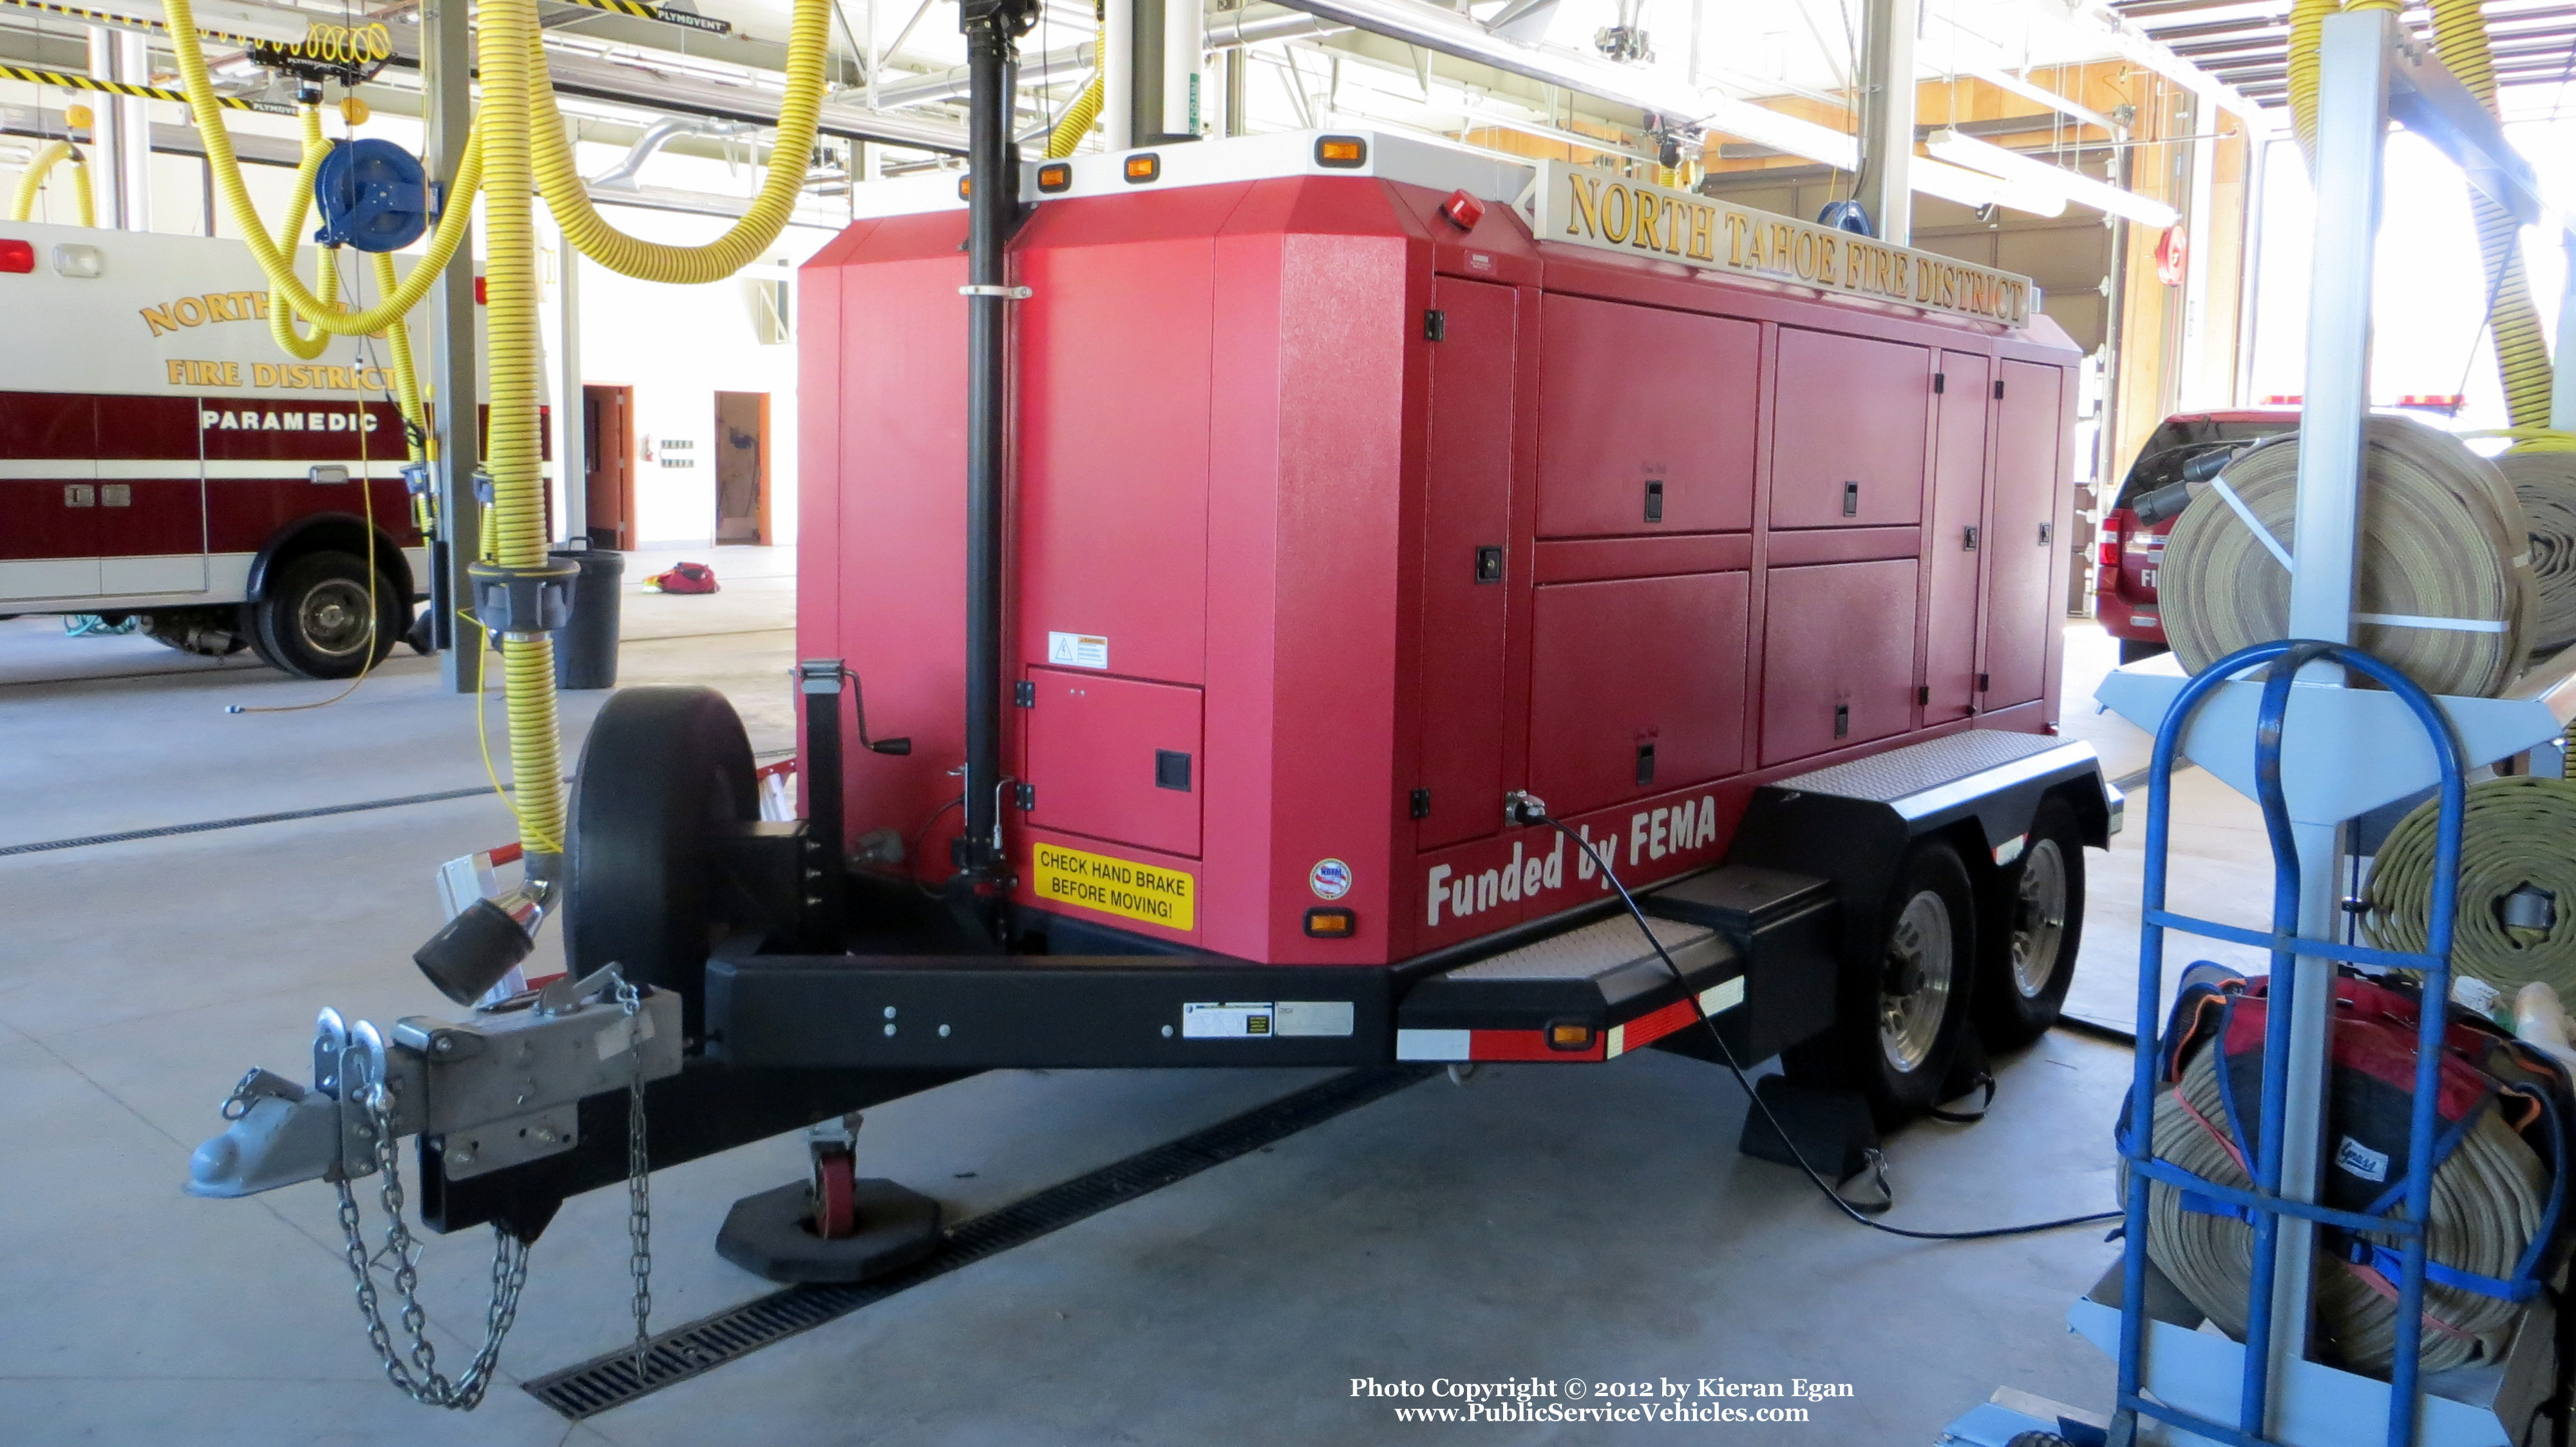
column 664, row 776
column 314, row 621
column 2031, row 946
column 1903, row 1015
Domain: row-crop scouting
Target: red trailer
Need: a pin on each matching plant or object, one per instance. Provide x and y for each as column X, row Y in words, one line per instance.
column 1337, row 557
column 1317, row 599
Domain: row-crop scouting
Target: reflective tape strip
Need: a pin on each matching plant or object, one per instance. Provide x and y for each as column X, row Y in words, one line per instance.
column 1431, row 1044
column 2410, row 620
column 2253, row 524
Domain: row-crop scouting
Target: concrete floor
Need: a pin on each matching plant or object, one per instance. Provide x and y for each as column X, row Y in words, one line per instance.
column 1538, row 1222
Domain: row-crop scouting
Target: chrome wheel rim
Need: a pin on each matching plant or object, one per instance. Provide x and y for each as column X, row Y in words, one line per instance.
column 333, row 618
column 2039, row 918
column 1914, row 999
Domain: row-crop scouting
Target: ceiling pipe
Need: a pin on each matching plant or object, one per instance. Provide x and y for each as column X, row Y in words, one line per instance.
column 1226, row 30
column 1454, row 34
column 661, row 133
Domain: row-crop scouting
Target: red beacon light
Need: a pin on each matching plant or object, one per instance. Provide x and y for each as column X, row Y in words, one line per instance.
column 17, row 256
column 1463, row 210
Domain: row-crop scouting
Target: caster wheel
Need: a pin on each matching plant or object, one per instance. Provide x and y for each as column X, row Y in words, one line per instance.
column 836, row 1201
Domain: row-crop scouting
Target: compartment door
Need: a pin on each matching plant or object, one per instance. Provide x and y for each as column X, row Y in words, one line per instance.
column 1851, row 416
column 1645, row 419
column 1116, row 759
column 48, row 496
column 1956, row 545
column 1837, row 656
column 152, row 493
column 1636, row 687
column 1466, row 540
column 2023, row 552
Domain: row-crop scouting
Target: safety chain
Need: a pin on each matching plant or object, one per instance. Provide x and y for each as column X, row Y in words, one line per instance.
column 639, row 1186
column 509, row 1275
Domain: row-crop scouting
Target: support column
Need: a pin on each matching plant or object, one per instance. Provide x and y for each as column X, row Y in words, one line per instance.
column 571, row 432
column 1885, row 187
column 1184, row 87
column 133, row 132
column 1118, row 76
column 446, row 67
column 106, row 134
column 2352, row 123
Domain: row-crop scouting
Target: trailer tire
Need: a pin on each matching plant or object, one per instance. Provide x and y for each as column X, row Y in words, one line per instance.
column 2038, row 926
column 1903, row 1014
column 664, row 775
column 312, row 620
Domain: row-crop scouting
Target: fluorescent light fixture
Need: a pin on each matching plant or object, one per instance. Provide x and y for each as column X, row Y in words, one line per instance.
column 2003, row 79
column 1976, row 188
column 1994, row 160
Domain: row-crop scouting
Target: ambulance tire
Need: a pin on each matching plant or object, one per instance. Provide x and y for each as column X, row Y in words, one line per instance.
column 665, row 775
column 312, row 621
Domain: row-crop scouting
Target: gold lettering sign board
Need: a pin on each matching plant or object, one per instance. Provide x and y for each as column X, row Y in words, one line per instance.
column 1591, row 207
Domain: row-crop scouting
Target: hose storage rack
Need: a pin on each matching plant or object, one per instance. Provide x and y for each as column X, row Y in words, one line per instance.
column 2363, row 742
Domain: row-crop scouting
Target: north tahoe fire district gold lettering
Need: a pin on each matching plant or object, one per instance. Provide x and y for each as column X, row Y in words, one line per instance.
column 1591, row 208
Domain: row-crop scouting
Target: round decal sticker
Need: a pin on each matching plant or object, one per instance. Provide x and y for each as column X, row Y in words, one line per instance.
column 1330, row 879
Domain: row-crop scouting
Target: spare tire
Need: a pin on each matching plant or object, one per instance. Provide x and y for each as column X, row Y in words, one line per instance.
column 665, row 775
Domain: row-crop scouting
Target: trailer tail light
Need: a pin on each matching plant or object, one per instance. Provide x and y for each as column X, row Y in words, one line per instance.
column 1463, row 210
column 1144, row 166
column 2110, row 554
column 1331, row 923
column 1341, row 153
column 1054, row 176
column 17, row 256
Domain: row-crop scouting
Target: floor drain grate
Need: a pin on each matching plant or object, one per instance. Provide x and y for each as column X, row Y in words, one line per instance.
column 703, row 1345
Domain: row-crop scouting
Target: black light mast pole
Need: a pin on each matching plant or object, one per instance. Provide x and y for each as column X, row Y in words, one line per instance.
column 992, row 29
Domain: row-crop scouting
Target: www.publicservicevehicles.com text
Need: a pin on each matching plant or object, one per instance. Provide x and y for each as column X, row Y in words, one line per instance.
column 1583, row 1399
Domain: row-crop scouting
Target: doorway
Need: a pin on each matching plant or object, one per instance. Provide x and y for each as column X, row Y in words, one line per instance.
column 742, row 467
column 608, row 448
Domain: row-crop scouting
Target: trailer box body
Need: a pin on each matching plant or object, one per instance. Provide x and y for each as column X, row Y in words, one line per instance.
column 1336, row 519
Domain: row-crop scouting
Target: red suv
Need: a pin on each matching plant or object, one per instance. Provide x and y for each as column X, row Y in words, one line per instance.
column 2131, row 546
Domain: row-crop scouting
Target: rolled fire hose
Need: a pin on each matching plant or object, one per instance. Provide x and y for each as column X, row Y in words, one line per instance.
column 2444, row 588
column 2487, row 1202
column 22, row 207
column 2543, row 476
column 2517, row 843
column 517, row 150
column 1076, row 121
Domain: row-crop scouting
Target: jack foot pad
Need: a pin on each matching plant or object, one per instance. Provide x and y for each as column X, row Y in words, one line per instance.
column 772, row 1234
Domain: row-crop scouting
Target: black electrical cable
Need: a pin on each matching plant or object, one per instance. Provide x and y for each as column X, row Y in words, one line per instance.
column 1726, row 1055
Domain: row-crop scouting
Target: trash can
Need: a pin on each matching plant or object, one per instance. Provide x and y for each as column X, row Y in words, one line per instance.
column 586, row 647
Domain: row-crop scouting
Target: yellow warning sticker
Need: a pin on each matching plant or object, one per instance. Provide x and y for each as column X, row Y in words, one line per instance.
column 1114, row 886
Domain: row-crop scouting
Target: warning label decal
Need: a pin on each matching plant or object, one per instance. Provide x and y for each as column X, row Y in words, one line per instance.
column 1114, row 886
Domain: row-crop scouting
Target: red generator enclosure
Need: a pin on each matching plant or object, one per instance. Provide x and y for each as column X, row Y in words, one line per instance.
column 1339, row 508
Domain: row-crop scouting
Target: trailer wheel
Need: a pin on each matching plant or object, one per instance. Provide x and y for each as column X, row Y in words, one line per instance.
column 1903, row 1014
column 313, row 621
column 665, row 774
column 2030, row 960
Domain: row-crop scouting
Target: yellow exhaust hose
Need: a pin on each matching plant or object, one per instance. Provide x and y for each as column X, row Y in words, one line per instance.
column 281, row 316
column 808, row 40
column 406, row 376
column 505, row 40
column 1078, row 117
column 2459, row 33
column 23, row 206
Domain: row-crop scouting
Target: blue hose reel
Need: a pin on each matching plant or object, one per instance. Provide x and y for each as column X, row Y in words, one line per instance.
column 372, row 194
